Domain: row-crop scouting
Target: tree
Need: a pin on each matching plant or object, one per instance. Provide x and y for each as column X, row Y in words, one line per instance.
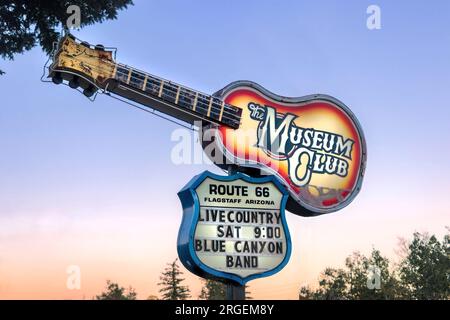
column 213, row 290
column 216, row 290
column 424, row 271
column 332, row 285
column 26, row 23
column 305, row 293
column 171, row 283
column 371, row 278
column 364, row 278
column 115, row 292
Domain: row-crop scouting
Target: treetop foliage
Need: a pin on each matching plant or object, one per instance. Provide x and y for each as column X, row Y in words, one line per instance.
column 423, row 273
column 115, row 292
column 27, row 23
column 171, row 287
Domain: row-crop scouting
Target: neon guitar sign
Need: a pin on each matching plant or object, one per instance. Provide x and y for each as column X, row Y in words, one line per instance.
column 314, row 144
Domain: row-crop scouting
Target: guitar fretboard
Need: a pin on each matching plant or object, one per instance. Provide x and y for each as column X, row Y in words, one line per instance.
column 204, row 106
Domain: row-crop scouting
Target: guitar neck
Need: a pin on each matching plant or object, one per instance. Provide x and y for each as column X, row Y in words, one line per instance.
column 84, row 65
column 173, row 99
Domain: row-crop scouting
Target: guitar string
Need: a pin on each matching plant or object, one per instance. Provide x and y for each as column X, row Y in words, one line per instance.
column 200, row 116
column 235, row 119
column 174, row 91
column 186, row 100
column 174, row 86
column 170, row 83
column 146, row 109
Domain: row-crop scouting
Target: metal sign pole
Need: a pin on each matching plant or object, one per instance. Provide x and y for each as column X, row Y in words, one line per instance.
column 234, row 291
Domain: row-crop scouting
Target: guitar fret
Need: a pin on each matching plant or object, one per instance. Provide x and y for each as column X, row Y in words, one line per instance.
column 129, row 76
column 161, row 89
column 216, row 108
column 144, row 85
column 221, row 110
column 178, row 95
column 203, row 106
column 209, row 107
column 195, row 101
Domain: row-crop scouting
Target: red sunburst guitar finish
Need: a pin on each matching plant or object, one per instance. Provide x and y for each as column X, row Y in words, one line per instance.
column 313, row 144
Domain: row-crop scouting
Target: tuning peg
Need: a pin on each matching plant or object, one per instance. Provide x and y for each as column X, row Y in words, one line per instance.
column 89, row 91
column 100, row 47
column 74, row 82
column 57, row 78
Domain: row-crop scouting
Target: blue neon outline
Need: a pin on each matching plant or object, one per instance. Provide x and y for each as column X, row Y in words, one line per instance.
column 191, row 212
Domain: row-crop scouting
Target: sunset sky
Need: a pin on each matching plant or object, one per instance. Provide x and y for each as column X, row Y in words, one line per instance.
column 93, row 184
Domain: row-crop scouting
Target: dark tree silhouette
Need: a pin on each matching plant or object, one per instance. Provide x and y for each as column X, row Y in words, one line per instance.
column 213, row 290
column 171, row 287
column 423, row 273
column 115, row 292
column 27, row 23
column 216, row 290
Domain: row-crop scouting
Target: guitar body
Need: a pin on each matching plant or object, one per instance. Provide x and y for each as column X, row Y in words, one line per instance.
column 313, row 145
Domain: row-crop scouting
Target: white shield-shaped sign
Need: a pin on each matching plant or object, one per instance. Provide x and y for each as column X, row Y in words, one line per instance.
column 233, row 227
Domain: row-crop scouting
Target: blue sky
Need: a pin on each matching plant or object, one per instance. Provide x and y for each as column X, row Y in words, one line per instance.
column 65, row 160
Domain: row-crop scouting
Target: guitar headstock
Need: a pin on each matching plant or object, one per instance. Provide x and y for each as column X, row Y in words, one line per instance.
column 82, row 65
